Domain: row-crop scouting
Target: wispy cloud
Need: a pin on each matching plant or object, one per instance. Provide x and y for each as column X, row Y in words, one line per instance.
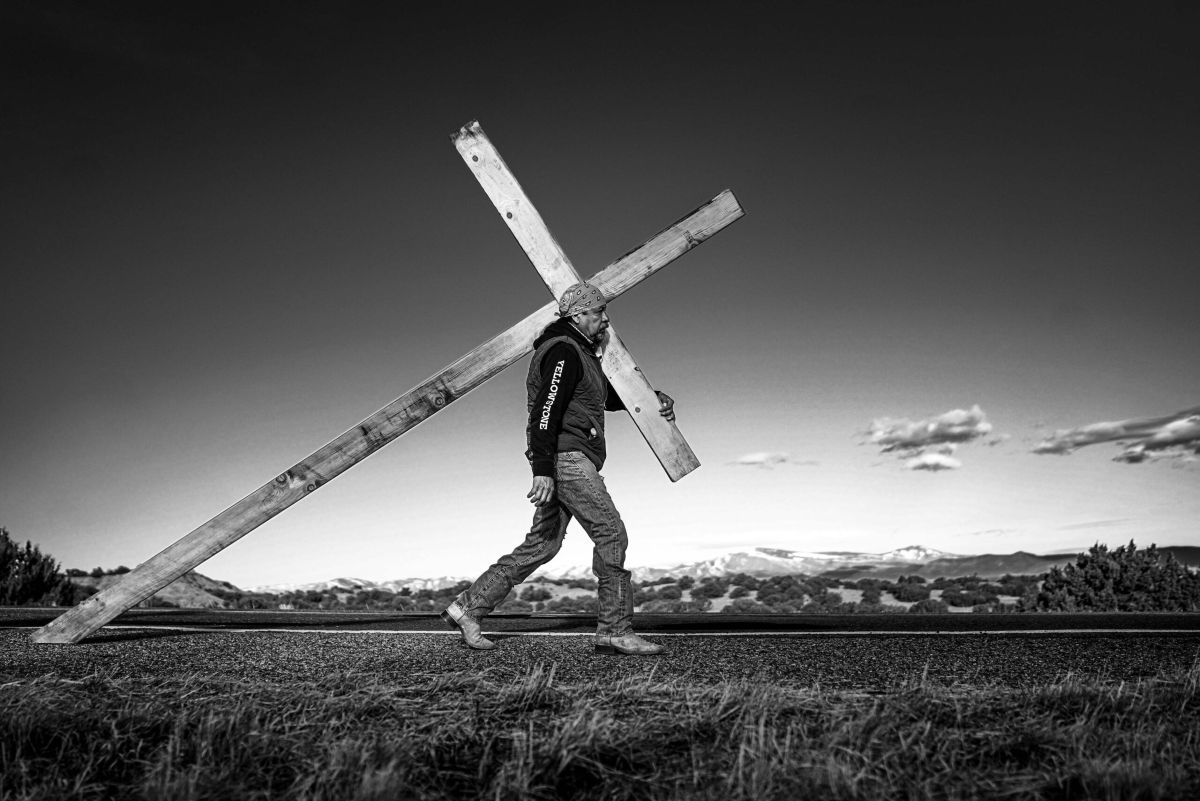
column 1174, row 436
column 769, row 459
column 933, row 462
column 929, row 444
column 1114, row 521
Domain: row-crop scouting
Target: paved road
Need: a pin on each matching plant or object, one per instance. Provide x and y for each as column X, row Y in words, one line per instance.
column 877, row 662
column 814, row 652
column 692, row 624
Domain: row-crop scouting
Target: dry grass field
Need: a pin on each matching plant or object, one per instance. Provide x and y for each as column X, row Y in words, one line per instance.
column 208, row 715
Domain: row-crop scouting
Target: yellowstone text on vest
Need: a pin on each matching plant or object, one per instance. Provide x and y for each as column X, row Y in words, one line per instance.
column 545, row 421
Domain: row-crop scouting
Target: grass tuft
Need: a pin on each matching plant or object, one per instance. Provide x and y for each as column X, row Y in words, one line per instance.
column 490, row 735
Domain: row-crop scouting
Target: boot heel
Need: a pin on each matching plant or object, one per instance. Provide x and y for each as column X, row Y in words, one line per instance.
column 605, row 649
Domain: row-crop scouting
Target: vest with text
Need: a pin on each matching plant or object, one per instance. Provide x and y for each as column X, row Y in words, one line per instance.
column 583, row 420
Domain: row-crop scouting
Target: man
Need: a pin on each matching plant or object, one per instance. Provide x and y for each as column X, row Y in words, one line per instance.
column 567, row 395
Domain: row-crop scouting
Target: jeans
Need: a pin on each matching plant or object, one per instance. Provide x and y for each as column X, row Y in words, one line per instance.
column 579, row 492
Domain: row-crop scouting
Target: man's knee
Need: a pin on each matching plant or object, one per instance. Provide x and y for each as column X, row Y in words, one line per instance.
column 552, row 548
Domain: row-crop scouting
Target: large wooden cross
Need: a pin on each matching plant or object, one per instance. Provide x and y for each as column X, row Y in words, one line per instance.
column 439, row 390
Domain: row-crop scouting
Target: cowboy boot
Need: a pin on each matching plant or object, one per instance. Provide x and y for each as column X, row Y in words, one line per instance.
column 457, row 618
column 630, row 644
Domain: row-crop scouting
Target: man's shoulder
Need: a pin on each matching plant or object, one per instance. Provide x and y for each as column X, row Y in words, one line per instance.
column 559, row 349
column 560, row 345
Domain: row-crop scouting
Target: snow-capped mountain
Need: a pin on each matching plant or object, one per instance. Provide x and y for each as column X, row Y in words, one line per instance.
column 761, row 562
column 348, row 584
column 911, row 560
column 774, row 562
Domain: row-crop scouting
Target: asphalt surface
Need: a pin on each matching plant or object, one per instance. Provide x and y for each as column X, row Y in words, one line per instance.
column 321, row 620
column 962, row 651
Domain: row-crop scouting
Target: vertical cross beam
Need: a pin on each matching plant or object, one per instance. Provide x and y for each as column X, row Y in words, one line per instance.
column 551, row 262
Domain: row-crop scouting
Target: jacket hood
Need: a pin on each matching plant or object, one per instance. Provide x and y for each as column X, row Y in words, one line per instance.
column 562, row 327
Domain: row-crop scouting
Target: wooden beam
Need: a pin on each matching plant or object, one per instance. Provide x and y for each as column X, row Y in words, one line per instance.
column 356, row 444
column 550, row 260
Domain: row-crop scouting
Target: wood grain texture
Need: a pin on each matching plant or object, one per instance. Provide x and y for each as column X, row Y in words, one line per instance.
column 515, row 208
column 550, row 260
column 356, row 444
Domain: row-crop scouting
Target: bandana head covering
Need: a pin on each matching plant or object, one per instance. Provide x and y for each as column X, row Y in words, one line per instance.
column 579, row 298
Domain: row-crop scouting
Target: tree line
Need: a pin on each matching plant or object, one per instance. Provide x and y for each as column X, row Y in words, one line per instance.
column 1125, row 579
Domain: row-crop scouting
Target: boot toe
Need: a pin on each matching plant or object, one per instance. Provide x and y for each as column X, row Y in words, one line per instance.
column 629, row 645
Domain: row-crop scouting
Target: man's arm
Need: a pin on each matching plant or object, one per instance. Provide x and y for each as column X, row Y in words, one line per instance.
column 613, row 402
column 560, row 371
column 666, row 408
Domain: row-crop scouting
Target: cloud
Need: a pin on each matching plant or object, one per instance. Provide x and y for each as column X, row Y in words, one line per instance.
column 769, row 459
column 930, row 444
column 1139, row 453
column 933, row 462
column 1113, row 521
column 1147, row 438
column 957, row 425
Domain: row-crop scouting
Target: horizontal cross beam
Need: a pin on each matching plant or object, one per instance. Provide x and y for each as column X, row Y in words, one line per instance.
column 552, row 264
column 418, row 404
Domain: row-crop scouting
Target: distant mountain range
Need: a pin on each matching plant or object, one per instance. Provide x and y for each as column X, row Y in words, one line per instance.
column 912, row 560
column 354, row 584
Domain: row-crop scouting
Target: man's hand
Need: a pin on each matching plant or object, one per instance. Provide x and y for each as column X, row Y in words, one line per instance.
column 667, row 409
column 542, row 491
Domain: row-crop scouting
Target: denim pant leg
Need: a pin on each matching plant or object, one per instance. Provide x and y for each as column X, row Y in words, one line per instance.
column 543, row 541
column 580, row 488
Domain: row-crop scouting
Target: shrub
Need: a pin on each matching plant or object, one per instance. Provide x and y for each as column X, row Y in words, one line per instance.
column 514, row 606
column 27, row 576
column 744, row 580
column 533, row 592
column 1124, row 580
column 582, row 584
column 1017, row 585
column 709, row 589
column 747, row 606
column 572, row 604
column 957, row 597
column 994, row 608
column 911, row 592
column 829, row 603
column 929, row 606
column 677, row 607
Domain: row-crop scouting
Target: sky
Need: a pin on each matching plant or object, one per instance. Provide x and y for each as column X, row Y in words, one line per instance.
column 231, row 231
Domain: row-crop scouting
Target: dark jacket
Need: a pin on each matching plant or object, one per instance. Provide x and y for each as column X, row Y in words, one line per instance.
column 567, row 395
